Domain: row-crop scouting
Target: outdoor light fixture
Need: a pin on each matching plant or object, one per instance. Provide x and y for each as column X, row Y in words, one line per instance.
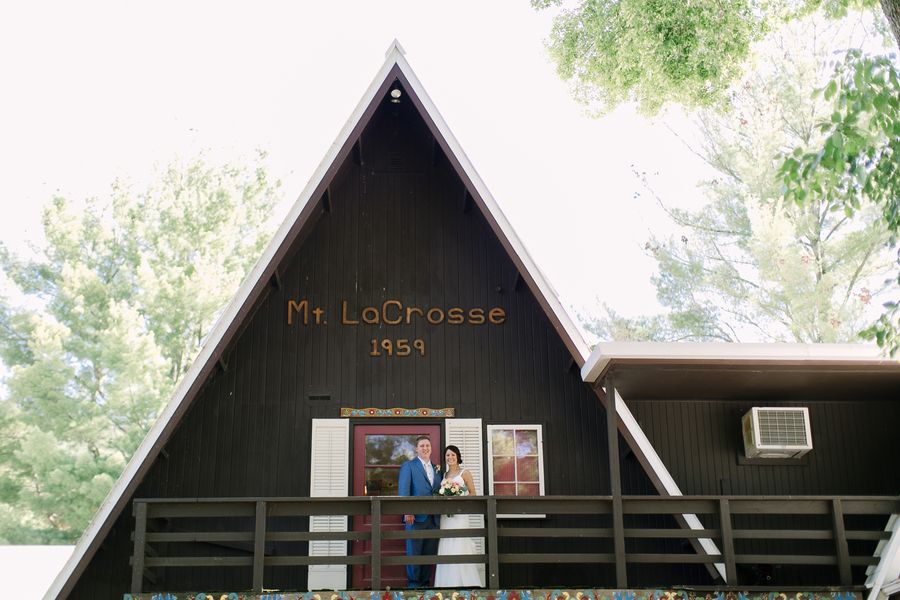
column 395, row 95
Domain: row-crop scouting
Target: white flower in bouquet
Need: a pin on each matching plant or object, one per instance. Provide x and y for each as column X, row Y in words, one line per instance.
column 449, row 488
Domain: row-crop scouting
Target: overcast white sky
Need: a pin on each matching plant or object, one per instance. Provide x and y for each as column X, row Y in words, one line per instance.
column 92, row 91
column 28, row 571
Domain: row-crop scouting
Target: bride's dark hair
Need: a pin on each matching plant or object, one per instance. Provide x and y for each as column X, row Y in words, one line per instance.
column 455, row 451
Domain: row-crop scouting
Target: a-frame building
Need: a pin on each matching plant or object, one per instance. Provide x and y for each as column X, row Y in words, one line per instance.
column 396, row 300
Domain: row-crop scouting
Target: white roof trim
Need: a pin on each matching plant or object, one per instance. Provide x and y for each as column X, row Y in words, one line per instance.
column 885, row 580
column 125, row 485
column 731, row 352
column 669, row 486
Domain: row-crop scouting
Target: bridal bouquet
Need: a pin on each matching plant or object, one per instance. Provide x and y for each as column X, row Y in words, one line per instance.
column 449, row 489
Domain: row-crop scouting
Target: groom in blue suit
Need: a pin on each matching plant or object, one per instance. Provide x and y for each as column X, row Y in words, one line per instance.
column 419, row 477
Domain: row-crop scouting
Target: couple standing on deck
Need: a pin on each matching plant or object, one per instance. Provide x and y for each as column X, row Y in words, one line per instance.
column 420, row 477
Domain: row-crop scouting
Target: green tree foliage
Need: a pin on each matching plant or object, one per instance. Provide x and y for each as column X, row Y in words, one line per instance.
column 653, row 51
column 112, row 310
column 656, row 52
column 745, row 266
column 856, row 159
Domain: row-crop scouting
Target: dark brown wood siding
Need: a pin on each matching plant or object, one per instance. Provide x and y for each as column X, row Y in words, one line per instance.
column 399, row 227
column 701, row 443
column 854, row 453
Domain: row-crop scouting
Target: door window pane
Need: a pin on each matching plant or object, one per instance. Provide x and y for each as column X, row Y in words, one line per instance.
column 385, row 449
column 385, row 454
column 381, row 481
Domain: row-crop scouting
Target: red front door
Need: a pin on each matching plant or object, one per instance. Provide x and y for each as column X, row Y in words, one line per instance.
column 378, row 453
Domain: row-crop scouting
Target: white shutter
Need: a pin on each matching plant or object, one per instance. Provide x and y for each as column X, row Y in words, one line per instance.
column 329, row 477
column 466, row 435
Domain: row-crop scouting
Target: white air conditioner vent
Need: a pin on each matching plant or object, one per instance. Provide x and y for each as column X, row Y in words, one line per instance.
column 777, row 432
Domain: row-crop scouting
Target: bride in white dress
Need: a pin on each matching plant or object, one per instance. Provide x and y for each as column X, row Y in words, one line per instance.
column 464, row 575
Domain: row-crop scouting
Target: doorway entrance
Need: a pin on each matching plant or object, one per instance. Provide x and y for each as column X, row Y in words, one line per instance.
column 378, row 453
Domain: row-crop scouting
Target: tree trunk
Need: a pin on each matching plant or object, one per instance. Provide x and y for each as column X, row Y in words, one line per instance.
column 891, row 10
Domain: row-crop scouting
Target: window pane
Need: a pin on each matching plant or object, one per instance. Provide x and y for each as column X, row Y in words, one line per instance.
column 504, row 489
column 515, row 460
column 527, row 469
column 528, row 489
column 504, row 469
column 526, row 442
column 502, row 442
column 390, row 449
column 381, row 481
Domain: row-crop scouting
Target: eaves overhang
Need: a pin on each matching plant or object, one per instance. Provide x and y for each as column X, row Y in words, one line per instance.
column 739, row 371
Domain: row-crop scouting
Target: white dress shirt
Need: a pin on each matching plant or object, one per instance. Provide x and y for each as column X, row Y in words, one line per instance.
column 429, row 470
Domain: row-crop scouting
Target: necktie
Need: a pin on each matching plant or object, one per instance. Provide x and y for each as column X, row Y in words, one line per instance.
column 429, row 472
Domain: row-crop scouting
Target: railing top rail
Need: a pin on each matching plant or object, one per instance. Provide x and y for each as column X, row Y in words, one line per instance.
column 275, row 499
column 562, row 505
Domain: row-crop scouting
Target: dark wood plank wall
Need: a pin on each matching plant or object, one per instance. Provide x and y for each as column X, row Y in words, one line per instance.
column 399, row 227
column 853, row 447
column 854, row 453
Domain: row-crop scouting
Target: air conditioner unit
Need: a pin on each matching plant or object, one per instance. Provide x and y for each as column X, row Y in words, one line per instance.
column 777, row 432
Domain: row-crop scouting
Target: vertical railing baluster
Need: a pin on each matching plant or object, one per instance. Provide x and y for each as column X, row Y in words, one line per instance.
column 727, row 542
column 615, row 483
column 259, row 546
column 619, row 542
column 493, row 575
column 840, row 542
column 376, row 544
column 140, row 541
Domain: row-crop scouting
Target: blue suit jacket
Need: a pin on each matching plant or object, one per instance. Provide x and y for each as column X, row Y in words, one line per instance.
column 414, row 482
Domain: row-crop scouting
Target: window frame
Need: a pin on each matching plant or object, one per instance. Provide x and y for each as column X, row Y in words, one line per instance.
column 540, row 454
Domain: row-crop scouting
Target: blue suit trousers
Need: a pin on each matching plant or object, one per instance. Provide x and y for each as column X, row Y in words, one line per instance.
column 419, row 576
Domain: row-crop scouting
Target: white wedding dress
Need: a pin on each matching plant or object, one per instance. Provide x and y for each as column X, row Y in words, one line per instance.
column 457, row 576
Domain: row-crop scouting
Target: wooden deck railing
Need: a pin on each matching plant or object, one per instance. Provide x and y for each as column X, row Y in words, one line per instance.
column 725, row 511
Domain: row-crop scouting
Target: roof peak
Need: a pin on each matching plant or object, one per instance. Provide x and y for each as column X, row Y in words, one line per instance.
column 394, row 47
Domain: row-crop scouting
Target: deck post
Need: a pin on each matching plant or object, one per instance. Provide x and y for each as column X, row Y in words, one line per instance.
column 615, row 483
column 259, row 546
column 493, row 579
column 840, row 542
column 140, row 540
column 727, row 542
column 376, row 544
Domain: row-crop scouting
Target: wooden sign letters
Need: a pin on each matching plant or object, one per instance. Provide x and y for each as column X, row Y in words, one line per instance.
column 392, row 313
